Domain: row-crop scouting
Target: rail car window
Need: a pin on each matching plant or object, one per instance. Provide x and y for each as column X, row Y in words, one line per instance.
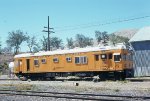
column 36, row 62
column 110, row 56
column 55, row 60
column 117, row 58
column 77, row 60
column 68, row 59
column 103, row 56
column 43, row 61
column 97, row 57
column 83, row 59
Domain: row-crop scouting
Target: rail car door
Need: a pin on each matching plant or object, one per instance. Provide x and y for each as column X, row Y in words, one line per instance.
column 117, row 60
column 110, row 60
column 28, row 64
column 97, row 61
column 105, row 62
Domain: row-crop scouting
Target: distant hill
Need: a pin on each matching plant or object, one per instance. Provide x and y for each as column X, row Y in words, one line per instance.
column 126, row 33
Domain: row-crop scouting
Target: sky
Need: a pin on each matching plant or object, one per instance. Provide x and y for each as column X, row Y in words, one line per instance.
column 70, row 17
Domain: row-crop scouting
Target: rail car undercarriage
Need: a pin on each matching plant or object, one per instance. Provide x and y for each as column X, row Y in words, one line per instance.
column 103, row 75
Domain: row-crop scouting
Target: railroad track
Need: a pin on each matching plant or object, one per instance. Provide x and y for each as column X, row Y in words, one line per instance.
column 79, row 96
column 9, row 80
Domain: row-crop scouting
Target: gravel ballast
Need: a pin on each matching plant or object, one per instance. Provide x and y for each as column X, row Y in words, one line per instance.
column 105, row 87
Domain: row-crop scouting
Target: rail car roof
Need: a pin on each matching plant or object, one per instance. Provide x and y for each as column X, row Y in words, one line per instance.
column 68, row 51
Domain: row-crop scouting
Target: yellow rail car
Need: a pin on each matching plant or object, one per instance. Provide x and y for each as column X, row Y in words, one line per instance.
column 106, row 61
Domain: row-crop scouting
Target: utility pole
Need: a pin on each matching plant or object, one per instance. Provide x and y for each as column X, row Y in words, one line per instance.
column 49, row 32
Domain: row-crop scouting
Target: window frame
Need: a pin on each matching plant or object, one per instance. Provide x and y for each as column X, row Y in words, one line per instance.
column 37, row 62
column 55, row 60
column 42, row 61
column 83, row 59
column 119, row 58
column 68, row 59
column 78, row 60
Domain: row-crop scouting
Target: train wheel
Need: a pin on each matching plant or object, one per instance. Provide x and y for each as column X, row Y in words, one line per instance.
column 119, row 76
column 123, row 75
column 52, row 78
column 103, row 76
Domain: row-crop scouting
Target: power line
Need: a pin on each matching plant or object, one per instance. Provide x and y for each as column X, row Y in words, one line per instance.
column 102, row 24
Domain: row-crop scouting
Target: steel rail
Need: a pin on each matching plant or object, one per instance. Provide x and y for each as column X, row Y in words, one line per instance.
column 107, row 95
column 9, row 79
column 67, row 97
column 73, row 94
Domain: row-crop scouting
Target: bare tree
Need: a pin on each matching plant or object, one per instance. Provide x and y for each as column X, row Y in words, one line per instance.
column 15, row 39
column 31, row 42
column 88, row 41
column 70, row 42
column 56, row 43
column 105, row 37
column 36, row 48
column 98, row 36
column 118, row 39
column 113, row 39
column 102, row 37
column 82, row 41
column 44, row 43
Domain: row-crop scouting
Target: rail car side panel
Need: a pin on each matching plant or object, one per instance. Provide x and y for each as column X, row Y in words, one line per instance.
column 63, row 66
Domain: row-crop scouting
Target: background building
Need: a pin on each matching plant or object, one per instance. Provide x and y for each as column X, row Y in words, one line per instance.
column 141, row 49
